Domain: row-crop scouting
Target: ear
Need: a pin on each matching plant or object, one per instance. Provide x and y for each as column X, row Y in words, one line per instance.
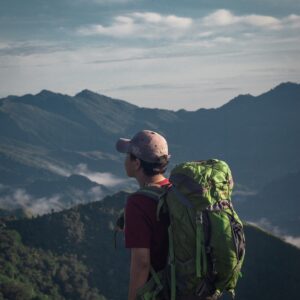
column 137, row 164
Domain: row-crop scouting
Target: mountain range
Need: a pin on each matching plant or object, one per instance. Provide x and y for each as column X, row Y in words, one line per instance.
column 57, row 159
column 58, row 150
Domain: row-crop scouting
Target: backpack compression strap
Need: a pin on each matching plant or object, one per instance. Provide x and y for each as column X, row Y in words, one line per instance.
column 200, row 242
column 159, row 286
column 200, row 246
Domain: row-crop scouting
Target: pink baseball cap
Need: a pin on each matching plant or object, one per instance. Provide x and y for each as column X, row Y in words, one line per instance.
column 146, row 145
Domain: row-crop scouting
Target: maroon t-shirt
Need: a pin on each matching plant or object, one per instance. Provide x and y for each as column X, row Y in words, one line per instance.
column 142, row 230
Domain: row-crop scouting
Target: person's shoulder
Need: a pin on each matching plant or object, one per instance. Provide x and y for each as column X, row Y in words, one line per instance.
column 137, row 198
column 141, row 201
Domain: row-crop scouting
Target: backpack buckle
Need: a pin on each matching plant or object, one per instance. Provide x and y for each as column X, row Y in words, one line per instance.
column 199, row 217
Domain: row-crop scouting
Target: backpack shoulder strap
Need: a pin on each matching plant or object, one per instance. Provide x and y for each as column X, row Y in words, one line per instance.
column 157, row 193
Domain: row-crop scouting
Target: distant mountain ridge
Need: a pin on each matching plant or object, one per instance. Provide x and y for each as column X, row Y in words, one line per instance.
column 57, row 151
column 48, row 135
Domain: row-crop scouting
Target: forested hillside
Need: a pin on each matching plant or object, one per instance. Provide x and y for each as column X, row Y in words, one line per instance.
column 83, row 239
column 32, row 273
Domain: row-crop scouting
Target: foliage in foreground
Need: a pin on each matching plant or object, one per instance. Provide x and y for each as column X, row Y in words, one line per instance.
column 35, row 274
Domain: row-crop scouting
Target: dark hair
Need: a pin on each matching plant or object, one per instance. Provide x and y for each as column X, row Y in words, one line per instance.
column 151, row 169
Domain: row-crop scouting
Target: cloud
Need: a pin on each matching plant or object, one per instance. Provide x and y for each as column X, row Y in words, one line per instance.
column 15, row 48
column 155, row 26
column 260, row 21
column 123, row 27
column 224, row 17
column 292, row 240
column 20, row 199
column 170, row 21
column 223, row 39
column 96, row 193
column 55, row 169
column 146, row 25
column 213, row 30
column 152, row 86
column 267, row 225
column 106, row 179
column 221, row 17
column 32, row 206
column 292, row 21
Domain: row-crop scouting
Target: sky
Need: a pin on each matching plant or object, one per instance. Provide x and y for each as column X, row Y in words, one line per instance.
column 169, row 54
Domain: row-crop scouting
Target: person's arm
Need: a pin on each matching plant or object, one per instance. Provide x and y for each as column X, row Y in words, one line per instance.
column 139, row 270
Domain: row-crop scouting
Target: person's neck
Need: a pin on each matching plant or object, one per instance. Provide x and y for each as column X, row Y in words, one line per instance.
column 144, row 180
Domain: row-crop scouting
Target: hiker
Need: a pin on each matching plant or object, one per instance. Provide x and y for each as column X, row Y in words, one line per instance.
column 146, row 160
column 186, row 240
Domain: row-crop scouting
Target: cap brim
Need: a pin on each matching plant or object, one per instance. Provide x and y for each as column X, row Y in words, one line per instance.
column 122, row 145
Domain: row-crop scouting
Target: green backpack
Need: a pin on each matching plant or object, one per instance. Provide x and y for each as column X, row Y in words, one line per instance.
column 206, row 238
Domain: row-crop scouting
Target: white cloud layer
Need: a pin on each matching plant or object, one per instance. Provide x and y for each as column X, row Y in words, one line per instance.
column 32, row 206
column 20, row 199
column 147, row 25
column 293, row 21
column 267, row 225
column 292, row 240
column 106, row 179
column 151, row 25
column 224, row 17
column 169, row 21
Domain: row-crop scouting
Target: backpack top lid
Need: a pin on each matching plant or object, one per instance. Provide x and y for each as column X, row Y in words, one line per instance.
column 209, row 179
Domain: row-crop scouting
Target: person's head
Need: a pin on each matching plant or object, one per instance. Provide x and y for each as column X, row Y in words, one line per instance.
column 146, row 151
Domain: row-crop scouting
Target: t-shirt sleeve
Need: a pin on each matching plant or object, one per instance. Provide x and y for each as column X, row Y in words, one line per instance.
column 137, row 225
